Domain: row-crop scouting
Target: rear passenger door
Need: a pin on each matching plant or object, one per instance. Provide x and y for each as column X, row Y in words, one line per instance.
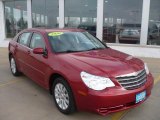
column 22, row 51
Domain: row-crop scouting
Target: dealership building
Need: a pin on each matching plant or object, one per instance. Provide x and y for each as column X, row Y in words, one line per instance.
column 131, row 26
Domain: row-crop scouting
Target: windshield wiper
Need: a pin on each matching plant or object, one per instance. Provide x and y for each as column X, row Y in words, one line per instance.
column 69, row 51
column 95, row 49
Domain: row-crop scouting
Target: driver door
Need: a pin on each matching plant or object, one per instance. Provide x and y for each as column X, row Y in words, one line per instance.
column 38, row 63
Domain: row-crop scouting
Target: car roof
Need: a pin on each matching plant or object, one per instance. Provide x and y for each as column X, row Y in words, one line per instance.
column 44, row 30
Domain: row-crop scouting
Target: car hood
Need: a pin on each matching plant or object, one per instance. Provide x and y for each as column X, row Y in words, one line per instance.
column 111, row 62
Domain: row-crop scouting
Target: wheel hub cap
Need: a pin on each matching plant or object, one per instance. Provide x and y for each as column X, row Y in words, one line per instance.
column 61, row 96
column 13, row 65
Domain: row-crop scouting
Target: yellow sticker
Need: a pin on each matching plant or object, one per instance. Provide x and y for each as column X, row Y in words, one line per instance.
column 55, row 33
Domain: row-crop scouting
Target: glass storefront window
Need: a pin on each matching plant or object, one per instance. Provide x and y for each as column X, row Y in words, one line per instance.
column 52, row 13
column 122, row 21
column 154, row 23
column 38, row 8
column 81, row 14
column 15, row 17
column 45, row 13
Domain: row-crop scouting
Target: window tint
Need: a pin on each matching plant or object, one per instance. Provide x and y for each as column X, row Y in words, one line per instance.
column 37, row 41
column 24, row 38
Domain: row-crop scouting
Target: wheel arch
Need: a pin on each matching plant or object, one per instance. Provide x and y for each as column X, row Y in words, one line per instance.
column 51, row 81
column 52, row 77
column 9, row 55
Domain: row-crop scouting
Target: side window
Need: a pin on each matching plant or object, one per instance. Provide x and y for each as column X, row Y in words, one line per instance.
column 24, row 38
column 37, row 41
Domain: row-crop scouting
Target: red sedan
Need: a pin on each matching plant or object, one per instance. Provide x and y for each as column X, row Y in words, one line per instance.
column 80, row 71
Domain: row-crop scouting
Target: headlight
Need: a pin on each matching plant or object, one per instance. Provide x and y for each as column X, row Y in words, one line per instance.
column 146, row 68
column 96, row 82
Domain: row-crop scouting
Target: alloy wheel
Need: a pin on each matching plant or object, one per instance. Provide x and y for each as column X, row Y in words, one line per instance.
column 13, row 66
column 61, row 96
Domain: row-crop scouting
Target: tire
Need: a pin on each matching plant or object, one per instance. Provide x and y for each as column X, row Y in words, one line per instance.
column 63, row 96
column 13, row 67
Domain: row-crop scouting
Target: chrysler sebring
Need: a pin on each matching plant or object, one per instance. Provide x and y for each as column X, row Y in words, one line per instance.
column 80, row 71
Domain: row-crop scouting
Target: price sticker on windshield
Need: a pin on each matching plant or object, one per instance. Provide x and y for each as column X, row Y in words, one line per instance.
column 55, row 33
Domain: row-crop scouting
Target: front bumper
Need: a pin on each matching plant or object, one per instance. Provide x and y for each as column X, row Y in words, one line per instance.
column 113, row 99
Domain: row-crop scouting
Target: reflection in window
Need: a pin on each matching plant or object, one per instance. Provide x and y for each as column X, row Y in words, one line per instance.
column 37, row 24
column 37, row 41
column 154, row 23
column 42, row 20
column 46, row 20
column 119, row 18
column 73, row 21
column 132, row 34
column 81, row 14
column 46, row 13
column 24, row 38
column 15, row 16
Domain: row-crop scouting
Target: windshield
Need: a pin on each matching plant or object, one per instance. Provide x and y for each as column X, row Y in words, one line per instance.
column 73, row 42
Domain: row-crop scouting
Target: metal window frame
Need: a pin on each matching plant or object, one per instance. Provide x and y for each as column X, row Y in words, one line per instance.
column 100, row 14
column 61, row 13
column 145, row 22
column 29, row 13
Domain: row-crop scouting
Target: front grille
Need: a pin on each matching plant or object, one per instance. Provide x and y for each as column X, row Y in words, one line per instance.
column 133, row 80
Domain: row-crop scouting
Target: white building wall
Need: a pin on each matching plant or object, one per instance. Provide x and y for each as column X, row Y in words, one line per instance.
column 138, row 50
column 2, row 22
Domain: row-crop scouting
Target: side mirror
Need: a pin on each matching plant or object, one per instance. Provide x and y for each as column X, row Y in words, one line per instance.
column 38, row 51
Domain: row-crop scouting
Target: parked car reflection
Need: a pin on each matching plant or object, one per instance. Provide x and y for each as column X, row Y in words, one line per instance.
column 109, row 33
column 90, row 28
column 130, row 36
column 154, row 33
column 154, row 37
